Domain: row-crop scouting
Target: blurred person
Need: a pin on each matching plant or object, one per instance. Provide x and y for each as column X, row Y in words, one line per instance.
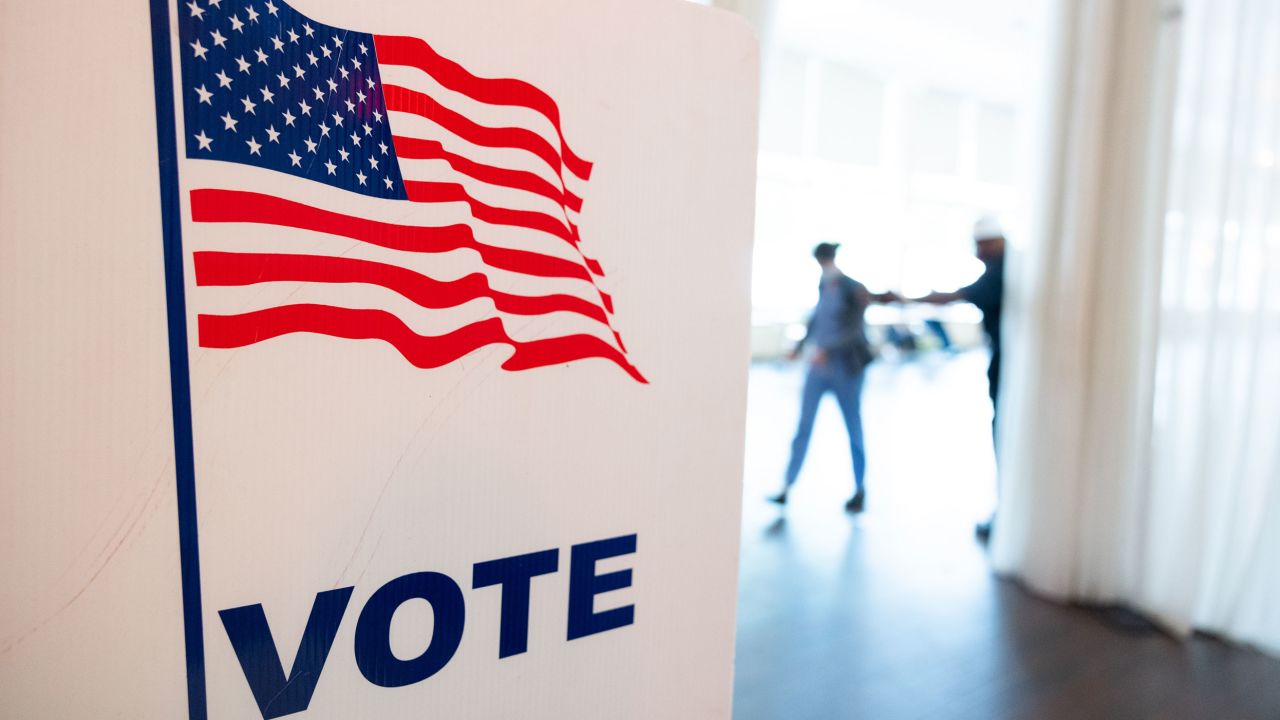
column 987, row 294
column 901, row 338
column 938, row 330
column 838, row 357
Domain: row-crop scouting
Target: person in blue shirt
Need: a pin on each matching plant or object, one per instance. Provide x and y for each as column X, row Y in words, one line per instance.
column 839, row 355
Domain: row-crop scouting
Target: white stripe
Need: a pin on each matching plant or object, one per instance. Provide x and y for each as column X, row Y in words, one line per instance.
column 444, row 267
column 495, row 195
column 494, row 116
column 410, row 125
column 233, row 176
column 423, row 321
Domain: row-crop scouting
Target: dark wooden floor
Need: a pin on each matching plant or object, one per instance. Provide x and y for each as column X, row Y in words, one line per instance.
column 894, row 614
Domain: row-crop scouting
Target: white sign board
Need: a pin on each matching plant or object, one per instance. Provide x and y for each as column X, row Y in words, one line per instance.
column 411, row 385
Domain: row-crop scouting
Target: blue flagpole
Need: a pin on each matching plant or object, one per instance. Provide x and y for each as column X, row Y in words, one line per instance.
column 179, row 367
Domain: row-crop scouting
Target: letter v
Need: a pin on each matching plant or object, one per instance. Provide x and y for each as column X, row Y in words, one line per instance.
column 250, row 636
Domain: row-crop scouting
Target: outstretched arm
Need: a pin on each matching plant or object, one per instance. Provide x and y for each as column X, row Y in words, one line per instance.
column 939, row 298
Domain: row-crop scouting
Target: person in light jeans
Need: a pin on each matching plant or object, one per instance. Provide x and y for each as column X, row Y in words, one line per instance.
column 839, row 355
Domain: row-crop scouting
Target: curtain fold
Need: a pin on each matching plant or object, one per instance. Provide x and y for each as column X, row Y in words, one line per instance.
column 1081, row 309
column 1214, row 545
column 1139, row 447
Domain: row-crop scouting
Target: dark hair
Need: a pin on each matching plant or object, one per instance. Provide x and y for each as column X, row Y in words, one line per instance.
column 826, row 251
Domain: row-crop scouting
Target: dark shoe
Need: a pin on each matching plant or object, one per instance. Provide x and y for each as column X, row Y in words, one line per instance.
column 857, row 502
column 780, row 498
column 982, row 531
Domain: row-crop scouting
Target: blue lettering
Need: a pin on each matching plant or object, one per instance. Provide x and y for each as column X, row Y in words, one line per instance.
column 250, row 636
column 278, row 695
column 585, row 584
column 515, row 575
column 373, row 630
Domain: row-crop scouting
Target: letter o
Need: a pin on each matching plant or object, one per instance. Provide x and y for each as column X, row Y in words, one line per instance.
column 373, row 630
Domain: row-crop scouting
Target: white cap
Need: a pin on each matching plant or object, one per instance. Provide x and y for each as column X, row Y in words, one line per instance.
column 987, row 228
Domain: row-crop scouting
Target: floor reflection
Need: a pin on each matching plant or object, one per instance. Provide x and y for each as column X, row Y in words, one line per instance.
column 894, row 613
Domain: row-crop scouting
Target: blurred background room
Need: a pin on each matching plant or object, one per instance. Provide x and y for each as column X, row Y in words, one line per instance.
column 1126, row 152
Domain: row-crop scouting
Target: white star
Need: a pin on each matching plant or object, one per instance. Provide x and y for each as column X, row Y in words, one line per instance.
column 311, row 58
column 367, row 129
column 360, row 95
column 361, row 176
column 324, row 130
column 342, row 153
column 253, row 14
column 236, row 24
column 272, row 134
column 337, row 41
column 254, row 147
column 293, row 36
column 228, row 122
column 295, row 158
column 219, row 40
column 337, row 119
column 309, row 30
column 377, row 116
column 204, row 95
column 223, row 79
column 277, row 43
column 351, row 107
column 306, row 109
column 271, row 8
column 388, row 182
column 206, row 142
column 289, row 118
column 363, row 50
column 196, row 10
column 298, row 71
column 333, row 86
column 355, row 62
column 311, row 146
column 262, row 57
column 267, row 95
column 369, row 81
column 215, row 3
column 328, row 165
column 284, row 81
column 383, row 147
column 249, row 105
column 344, row 72
column 199, row 49
column 373, row 162
column 355, row 139
column 244, row 64
column 319, row 93
column 325, row 50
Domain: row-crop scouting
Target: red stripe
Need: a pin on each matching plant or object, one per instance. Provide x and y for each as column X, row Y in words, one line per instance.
column 434, row 192
column 420, row 149
column 394, row 50
column 439, row 192
column 208, row 205
column 238, row 269
column 234, row 331
column 411, row 101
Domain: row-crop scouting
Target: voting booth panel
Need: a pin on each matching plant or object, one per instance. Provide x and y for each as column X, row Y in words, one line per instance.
column 379, row 359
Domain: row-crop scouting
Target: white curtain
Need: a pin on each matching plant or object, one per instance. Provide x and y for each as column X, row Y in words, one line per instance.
column 1141, row 438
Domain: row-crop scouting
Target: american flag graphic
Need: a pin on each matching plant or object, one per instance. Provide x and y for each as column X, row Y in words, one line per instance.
column 343, row 178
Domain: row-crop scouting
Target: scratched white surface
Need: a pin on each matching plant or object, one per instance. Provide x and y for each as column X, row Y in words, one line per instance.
column 323, row 463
